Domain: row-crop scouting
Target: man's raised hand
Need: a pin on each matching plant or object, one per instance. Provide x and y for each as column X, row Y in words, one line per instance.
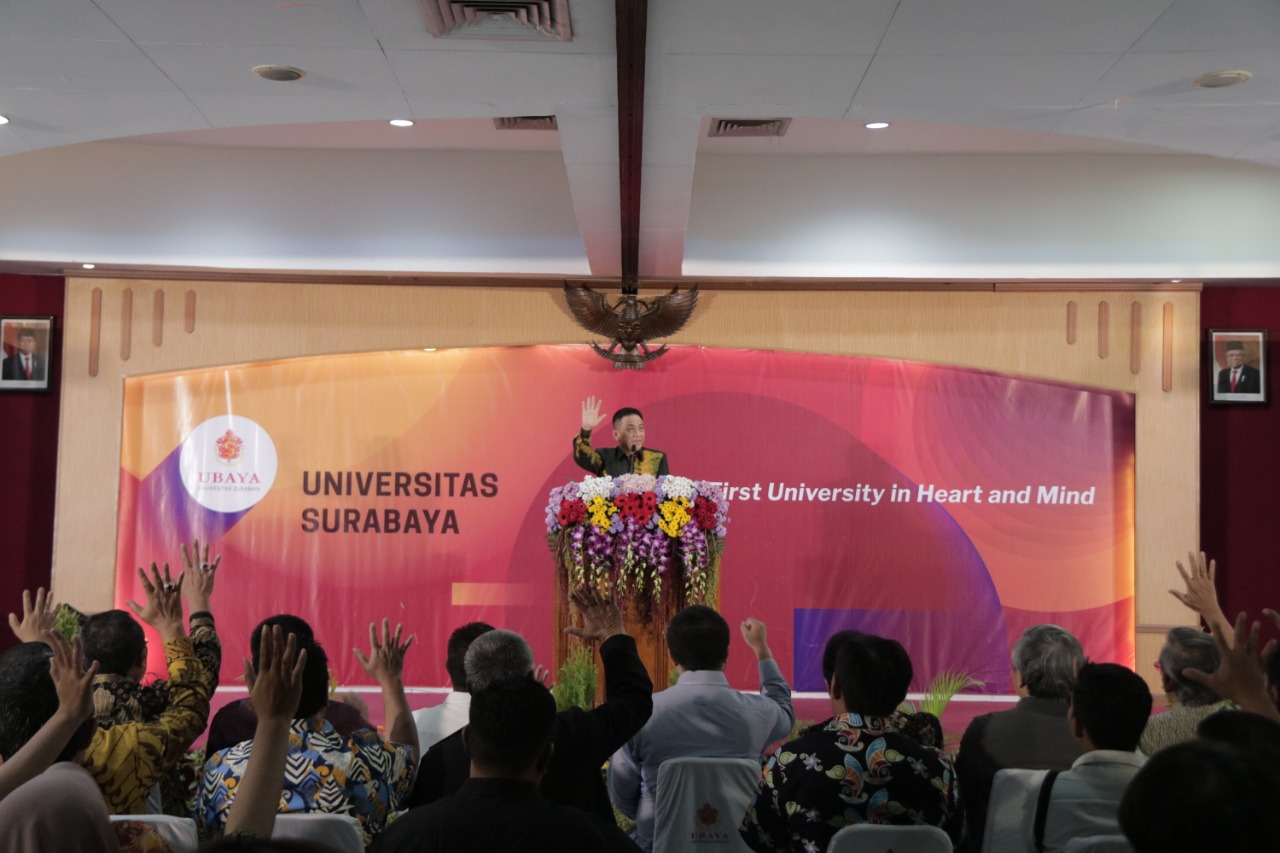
column 276, row 686
column 601, row 618
column 591, row 417
column 199, row 575
column 385, row 661
column 74, row 683
column 164, row 602
column 36, row 618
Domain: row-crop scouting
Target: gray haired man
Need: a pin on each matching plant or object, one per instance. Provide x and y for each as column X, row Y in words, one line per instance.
column 1033, row 734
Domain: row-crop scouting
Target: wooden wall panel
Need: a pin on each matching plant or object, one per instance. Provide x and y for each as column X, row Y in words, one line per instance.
column 1004, row 329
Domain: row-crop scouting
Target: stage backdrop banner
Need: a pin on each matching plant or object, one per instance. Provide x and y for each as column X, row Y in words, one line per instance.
column 947, row 508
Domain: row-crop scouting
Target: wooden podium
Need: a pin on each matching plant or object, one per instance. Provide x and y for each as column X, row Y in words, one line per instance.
column 644, row 615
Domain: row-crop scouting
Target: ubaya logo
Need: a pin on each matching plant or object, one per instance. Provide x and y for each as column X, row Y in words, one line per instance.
column 228, row 463
column 229, row 448
column 708, row 830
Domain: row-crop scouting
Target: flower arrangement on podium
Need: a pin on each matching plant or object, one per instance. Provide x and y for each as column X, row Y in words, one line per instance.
column 638, row 536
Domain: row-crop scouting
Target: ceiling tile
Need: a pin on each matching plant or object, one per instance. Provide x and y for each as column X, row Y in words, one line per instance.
column 228, row 110
column 30, row 63
column 322, row 23
column 1166, row 78
column 1018, row 26
column 507, row 83
column 797, row 27
column 57, row 19
column 228, row 69
column 1214, row 25
column 1022, row 81
column 1199, row 129
column 762, row 84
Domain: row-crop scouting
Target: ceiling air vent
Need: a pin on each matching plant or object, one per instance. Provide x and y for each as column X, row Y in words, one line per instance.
column 526, row 123
column 507, row 20
column 749, row 126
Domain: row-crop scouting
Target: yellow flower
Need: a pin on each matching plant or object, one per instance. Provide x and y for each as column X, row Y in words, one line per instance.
column 600, row 509
column 675, row 516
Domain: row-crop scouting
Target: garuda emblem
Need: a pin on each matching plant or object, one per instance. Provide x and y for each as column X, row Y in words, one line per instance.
column 630, row 322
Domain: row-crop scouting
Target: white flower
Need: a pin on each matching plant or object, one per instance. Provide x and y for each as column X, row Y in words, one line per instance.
column 595, row 486
column 677, row 487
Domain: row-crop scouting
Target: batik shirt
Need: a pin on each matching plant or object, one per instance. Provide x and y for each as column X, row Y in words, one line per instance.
column 359, row 774
column 613, row 462
column 851, row 769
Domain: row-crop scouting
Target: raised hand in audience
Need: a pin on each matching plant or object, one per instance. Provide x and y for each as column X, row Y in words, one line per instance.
column 36, row 618
column 164, row 603
column 198, row 576
column 385, row 665
column 1200, row 594
column 757, row 637
column 274, row 690
column 74, row 685
column 601, row 618
column 1240, row 677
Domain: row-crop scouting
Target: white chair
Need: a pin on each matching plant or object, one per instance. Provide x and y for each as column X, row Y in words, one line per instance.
column 1099, row 844
column 179, row 832
column 1011, row 811
column 340, row 832
column 879, row 838
column 700, row 803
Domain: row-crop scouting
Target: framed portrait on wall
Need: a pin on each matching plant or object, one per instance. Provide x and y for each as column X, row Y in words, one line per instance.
column 1239, row 365
column 26, row 343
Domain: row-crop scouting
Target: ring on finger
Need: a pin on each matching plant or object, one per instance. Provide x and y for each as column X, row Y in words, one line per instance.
column 169, row 586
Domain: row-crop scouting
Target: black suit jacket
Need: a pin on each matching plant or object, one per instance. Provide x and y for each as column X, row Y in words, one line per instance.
column 583, row 740
column 13, row 368
column 1250, row 381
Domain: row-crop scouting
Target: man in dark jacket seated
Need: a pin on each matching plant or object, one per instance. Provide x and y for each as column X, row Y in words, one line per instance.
column 583, row 740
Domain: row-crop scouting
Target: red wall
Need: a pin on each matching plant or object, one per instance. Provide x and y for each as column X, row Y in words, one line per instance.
column 29, row 429
column 1240, row 462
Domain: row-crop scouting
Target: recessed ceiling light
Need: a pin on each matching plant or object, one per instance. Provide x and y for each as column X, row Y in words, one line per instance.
column 876, row 125
column 1220, row 79
column 279, row 73
column 1175, row 280
column 429, row 349
column 4, row 119
column 88, row 266
column 401, row 122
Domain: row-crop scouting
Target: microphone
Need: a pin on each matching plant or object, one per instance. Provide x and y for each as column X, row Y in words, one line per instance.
column 635, row 457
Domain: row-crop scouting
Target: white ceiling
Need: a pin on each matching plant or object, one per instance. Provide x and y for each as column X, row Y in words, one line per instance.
column 979, row 77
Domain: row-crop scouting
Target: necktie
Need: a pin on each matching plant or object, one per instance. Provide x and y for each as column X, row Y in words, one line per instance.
column 1235, row 377
column 26, row 364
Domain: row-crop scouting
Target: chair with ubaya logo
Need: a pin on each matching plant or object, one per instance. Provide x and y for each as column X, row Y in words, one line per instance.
column 700, row 803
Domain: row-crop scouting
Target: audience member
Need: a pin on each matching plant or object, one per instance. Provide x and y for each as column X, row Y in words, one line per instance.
column 236, row 721
column 1253, row 733
column 1240, row 676
column 359, row 774
column 583, row 740
column 1032, row 735
column 50, row 803
column 1183, row 648
column 116, row 641
column 509, row 740
column 128, row 758
column 700, row 715
column 437, row 723
column 1109, row 708
column 920, row 726
column 857, row 768
column 1202, row 795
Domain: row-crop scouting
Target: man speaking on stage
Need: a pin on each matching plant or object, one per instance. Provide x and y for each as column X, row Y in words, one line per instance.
column 629, row 457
